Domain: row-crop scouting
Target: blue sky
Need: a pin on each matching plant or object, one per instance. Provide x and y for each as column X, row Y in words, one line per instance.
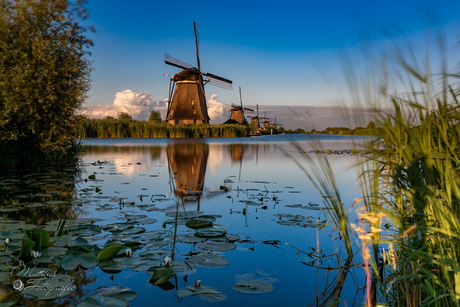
column 275, row 51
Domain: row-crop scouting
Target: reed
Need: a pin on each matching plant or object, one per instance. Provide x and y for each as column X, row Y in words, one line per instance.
column 409, row 206
column 115, row 128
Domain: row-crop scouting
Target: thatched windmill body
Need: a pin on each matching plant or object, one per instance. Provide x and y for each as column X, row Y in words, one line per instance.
column 237, row 113
column 186, row 96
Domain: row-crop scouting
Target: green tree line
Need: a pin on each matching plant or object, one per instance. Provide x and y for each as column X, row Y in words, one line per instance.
column 44, row 77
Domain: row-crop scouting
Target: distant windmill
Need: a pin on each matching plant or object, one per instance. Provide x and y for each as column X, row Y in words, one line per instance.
column 266, row 121
column 275, row 125
column 255, row 120
column 237, row 113
column 188, row 100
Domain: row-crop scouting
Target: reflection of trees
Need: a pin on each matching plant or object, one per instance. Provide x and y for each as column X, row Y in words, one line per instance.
column 187, row 163
column 40, row 215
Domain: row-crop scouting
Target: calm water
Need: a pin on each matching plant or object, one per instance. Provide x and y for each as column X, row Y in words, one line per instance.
column 252, row 188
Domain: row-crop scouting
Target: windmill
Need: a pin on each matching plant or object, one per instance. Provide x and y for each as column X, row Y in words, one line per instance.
column 187, row 98
column 237, row 113
column 255, row 120
column 275, row 125
column 266, row 121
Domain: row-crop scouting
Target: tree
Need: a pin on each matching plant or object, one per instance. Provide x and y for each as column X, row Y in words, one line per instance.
column 371, row 125
column 123, row 115
column 109, row 118
column 313, row 131
column 281, row 130
column 155, row 116
column 44, row 76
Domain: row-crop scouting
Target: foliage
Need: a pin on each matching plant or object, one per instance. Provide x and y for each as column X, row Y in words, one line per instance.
column 155, row 116
column 124, row 116
column 44, row 76
column 100, row 128
column 409, row 215
column 371, row 125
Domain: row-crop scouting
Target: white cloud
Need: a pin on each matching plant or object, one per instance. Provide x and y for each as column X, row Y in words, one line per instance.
column 139, row 105
column 217, row 111
column 136, row 104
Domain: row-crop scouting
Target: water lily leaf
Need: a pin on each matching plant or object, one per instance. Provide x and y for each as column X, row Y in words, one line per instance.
column 62, row 241
column 161, row 276
column 192, row 290
column 190, row 238
column 217, row 246
column 86, row 261
column 211, row 232
column 198, row 223
column 50, row 288
column 252, row 287
column 147, row 264
column 176, row 266
column 126, row 263
column 209, row 259
column 213, row 297
column 111, row 297
column 108, row 252
column 12, row 235
column 85, row 230
column 188, row 215
column 156, row 254
column 232, row 237
column 84, row 244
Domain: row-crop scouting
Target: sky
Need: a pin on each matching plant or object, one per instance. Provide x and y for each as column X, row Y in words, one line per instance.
column 281, row 53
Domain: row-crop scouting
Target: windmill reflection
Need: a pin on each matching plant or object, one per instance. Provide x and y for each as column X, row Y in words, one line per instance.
column 187, row 167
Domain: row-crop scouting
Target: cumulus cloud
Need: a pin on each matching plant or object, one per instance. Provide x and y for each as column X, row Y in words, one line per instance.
column 217, row 111
column 137, row 104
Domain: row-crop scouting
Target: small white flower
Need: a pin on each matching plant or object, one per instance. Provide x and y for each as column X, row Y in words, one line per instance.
column 115, row 228
column 35, row 254
column 7, row 241
column 128, row 252
column 197, row 283
column 167, row 260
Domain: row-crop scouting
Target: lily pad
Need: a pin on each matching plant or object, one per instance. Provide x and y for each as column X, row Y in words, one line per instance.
column 217, row 246
column 211, row 232
column 109, row 252
column 208, row 259
column 192, row 290
column 86, row 261
column 110, row 297
column 252, row 287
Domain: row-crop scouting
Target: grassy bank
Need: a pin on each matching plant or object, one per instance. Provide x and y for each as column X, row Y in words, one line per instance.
column 102, row 128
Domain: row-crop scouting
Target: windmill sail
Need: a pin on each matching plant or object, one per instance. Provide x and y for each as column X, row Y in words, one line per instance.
column 188, row 100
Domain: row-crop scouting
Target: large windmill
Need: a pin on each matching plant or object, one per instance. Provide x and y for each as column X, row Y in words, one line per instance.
column 188, row 101
column 237, row 113
column 255, row 120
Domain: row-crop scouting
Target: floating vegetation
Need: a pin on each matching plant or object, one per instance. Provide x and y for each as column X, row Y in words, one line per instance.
column 110, row 297
column 252, row 287
column 205, row 293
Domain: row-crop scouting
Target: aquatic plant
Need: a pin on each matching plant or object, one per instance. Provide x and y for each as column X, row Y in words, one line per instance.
column 409, row 209
column 103, row 128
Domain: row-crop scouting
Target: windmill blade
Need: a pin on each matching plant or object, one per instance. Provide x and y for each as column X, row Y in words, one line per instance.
column 249, row 109
column 177, row 63
column 196, row 27
column 241, row 99
column 219, row 81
